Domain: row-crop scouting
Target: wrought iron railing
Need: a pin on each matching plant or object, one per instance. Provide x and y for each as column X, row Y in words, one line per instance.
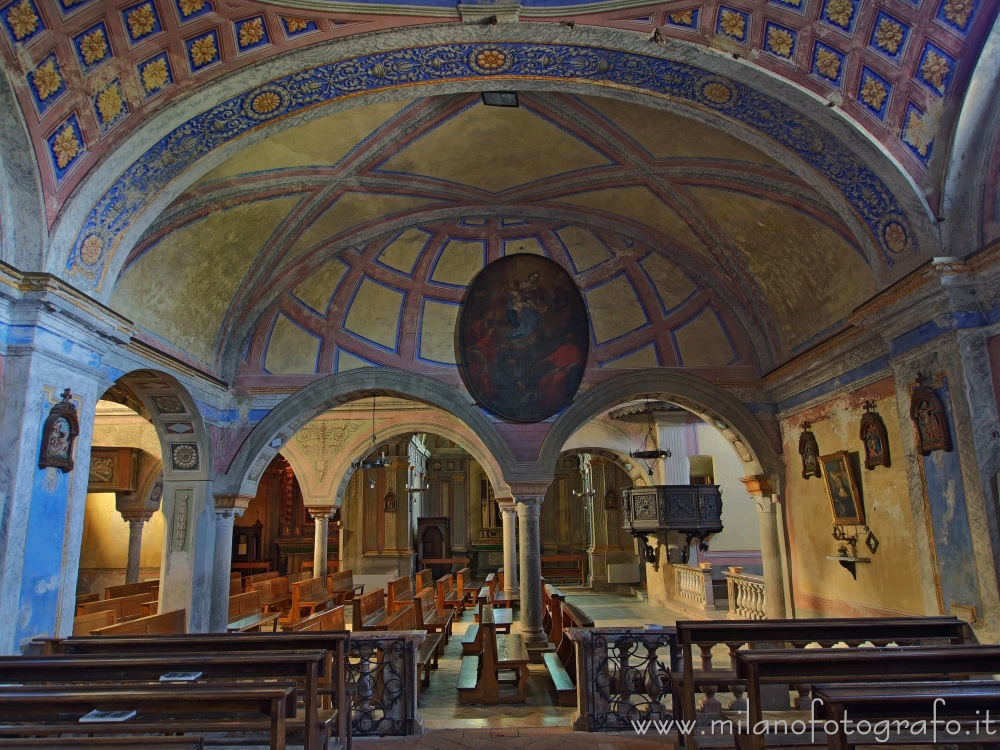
column 382, row 669
column 624, row 676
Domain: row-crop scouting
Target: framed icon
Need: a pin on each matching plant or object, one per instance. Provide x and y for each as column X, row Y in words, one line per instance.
column 842, row 489
column 871, row 542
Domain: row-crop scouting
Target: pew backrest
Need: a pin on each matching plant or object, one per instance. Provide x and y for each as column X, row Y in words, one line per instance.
column 87, row 624
column 330, row 619
column 124, row 607
column 424, row 580
column 249, row 581
column 167, row 623
column 400, row 593
column 131, row 589
column 244, row 604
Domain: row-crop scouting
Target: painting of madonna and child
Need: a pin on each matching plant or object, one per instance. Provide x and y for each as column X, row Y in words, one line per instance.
column 524, row 338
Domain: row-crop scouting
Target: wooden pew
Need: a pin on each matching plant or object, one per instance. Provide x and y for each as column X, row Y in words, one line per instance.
column 478, row 678
column 335, row 644
column 87, row 624
column 328, row 619
column 103, row 743
column 472, row 640
column 430, row 649
column 235, row 584
column 124, row 607
column 87, row 598
column 369, row 613
column 185, row 708
column 807, row 667
column 735, row 634
column 304, row 668
column 308, row 597
column 275, row 596
column 465, row 587
column 499, row 597
column 167, row 623
column 561, row 663
column 431, row 618
column 400, row 593
column 423, row 581
column 448, row 596
column 249, row 581
column 552, row 599
column 884, row 705
column 567, row 568
column 341, row 584
column 131, row 589
column 247, row 615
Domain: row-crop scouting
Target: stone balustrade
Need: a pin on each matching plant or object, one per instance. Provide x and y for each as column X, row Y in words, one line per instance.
column 693, row 586
column 746, row 596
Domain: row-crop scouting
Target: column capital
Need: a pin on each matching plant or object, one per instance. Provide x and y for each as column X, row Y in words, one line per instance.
column 758, row 485
column 521, row 490
column 507, row 504
column 319, row 512
column 136, row 516
column 529, row 506
column 231, row 506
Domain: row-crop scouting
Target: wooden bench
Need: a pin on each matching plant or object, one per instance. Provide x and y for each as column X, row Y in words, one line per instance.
column 166, row 623
column 448, row 596
column 734, row 635
column 250, row 581
column 304, row 668
column 400, row 593
column 308, row 597
column 431, row 647
column 87, row 598
column 341, row 584
column 561, row 663
column 328, row 619
column 502, row 620
column 275, row 596
column 465, row 587
column 423, row 581
column 333, row 682
column 479, row 679
column 564, row 568
column 431, row 618
column 124, row 607
column 103, row 743
column 247, row 615
column 960, row 707
column 499, row 597
column 131, row 589
column 176, row 708
column 804, row 668
column 552, row 599
column 87, row 624
column 369, row 613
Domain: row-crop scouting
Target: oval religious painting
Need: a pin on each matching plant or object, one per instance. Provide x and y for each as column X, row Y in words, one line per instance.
column 524, row 337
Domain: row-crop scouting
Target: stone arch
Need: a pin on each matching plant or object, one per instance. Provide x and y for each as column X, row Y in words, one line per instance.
column 109, row 214
column 974, row 154
column 22, row 209
column 716, row 405
column 284, row 420
column 344, row 461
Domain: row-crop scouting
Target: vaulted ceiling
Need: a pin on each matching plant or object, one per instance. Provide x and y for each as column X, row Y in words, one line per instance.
column 325, row 204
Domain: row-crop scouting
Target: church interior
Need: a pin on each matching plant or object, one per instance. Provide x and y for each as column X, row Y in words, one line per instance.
column 543, row 297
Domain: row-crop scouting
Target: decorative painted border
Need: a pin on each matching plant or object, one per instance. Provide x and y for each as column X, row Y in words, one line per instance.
column 165, row 160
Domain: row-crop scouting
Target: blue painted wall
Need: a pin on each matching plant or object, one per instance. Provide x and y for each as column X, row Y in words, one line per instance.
column 38, row 604
column 950, row 520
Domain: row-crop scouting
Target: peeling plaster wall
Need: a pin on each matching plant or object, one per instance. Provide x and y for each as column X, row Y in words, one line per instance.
column 891, row 583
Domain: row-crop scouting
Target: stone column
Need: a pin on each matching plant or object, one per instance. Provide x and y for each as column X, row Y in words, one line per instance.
column 507, row 510
column 136, row 520
column 762, row 492
column 227, row 508
column 529, row 497
column 321, row 515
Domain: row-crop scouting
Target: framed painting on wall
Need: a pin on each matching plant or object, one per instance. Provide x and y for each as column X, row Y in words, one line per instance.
column 842, row 489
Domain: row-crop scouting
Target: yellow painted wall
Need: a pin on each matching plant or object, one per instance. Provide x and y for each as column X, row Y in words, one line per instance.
column 888, row 584
column 105, row 536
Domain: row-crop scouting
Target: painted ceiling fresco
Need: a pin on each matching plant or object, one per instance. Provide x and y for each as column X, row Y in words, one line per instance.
column 350, row 241
column 88, row 72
